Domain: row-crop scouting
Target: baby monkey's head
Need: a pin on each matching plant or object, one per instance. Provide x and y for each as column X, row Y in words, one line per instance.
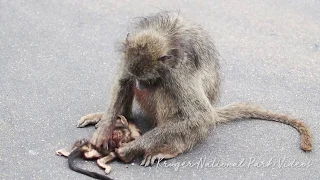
column 121, row 133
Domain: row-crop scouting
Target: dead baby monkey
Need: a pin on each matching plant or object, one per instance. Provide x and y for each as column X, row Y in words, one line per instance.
column 123, row 132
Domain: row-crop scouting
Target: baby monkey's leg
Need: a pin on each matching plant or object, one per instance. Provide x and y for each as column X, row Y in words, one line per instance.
column 66, row 153
column 63, row 152
column 87, row 150
column 102, row 162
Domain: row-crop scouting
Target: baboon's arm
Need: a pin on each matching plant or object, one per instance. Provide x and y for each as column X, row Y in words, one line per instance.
column 121, row 103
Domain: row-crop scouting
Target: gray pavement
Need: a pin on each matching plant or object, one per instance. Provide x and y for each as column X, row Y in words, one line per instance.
column 58, row 59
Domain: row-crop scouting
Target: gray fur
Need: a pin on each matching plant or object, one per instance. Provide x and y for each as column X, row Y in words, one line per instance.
column 179, row 66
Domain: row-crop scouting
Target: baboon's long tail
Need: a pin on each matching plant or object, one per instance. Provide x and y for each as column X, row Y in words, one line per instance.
column 246, row 111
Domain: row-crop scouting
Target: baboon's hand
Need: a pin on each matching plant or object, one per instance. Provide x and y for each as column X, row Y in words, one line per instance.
column 93, row 118
column 128, row 152
column 102, row 136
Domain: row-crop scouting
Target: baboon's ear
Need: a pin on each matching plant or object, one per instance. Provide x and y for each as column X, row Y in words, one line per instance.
column 126, row 42
column 127, row 39
column 123, row 120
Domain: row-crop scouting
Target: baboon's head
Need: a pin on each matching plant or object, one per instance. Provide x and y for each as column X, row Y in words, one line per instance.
column 148, row 55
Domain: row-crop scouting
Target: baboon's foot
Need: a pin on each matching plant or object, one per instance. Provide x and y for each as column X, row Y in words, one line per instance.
column 159, row 154
column 89, row 119
column 128, row 152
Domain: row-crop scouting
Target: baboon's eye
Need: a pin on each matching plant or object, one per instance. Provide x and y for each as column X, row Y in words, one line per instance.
column 165, row 58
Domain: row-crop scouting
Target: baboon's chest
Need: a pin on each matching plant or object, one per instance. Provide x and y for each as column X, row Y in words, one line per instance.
column 155, row 103
column 143, row 95
column 146, row 99
column 144, row 90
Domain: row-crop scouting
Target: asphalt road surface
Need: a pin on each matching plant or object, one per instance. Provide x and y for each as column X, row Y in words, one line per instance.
column 58, row 60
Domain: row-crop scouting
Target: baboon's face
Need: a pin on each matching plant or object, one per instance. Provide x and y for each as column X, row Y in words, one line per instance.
column 142, row 65
column 146, row 56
